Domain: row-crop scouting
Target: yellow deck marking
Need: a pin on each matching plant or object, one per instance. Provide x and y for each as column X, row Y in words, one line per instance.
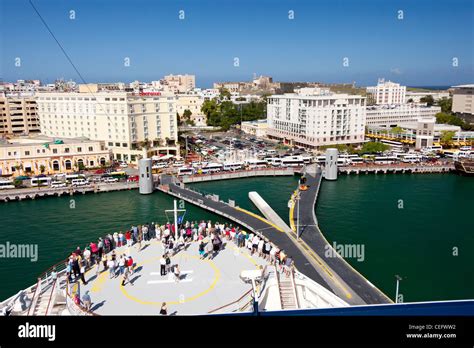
column 260, row 218
column 217, row 275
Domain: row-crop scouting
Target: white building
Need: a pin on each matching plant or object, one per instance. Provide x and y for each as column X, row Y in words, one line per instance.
column 313, row 117
column 463, row 99
column 416, row 96
column 386, row 93
column 394, row 115
column 130, row 124
column 256, row 128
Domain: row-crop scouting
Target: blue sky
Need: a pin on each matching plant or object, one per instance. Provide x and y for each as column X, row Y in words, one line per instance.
column 417, row 50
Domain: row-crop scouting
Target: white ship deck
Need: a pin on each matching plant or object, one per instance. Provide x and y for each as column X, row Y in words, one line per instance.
column 204, row 286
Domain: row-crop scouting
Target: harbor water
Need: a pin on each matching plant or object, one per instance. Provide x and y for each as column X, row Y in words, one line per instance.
column 416, row 226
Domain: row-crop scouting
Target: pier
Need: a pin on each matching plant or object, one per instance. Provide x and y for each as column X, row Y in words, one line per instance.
column 246, row 219
column 344, row 280
column 240, row 174
column 42, row 192
column 397, row 169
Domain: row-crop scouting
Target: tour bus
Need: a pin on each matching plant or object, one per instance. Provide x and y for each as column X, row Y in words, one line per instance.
column 213, row 168
column 253, row 163
column 307, row 159
column 159, row 165
column 343, row 162
column 70, row 177
column 393, row 144
column 465, row 148
column 434, row 148
column 293, row 161
column 6, row 184
column 321, row 159
column 449, row 153
column 385, row 159
column 273, row 161
column 79, row 182
column 186, row 171
column 178, row 164
column 41, row 181
column 357, row 159
column 410, row 158
column 231, row 166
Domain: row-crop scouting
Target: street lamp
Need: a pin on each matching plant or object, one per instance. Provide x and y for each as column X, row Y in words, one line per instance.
column 297, row 199
column 398, row 278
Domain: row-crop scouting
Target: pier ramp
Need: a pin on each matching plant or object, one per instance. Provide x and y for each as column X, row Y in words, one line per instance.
column 268, row 212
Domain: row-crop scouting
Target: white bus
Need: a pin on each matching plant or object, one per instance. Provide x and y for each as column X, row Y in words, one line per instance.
column 385, row 159
column 178, row 164
column 79, row 182
column 233, row 166
column 393, row 144
column 70, row 177
column 273, row 161
column 307, row 159
column 411, row 158
column 292, row 161
column 253, row 164
column 186, row 171
column 213, row 168
column 343, row 162
column 41, row 181
column 159, row 165
column 6, row 184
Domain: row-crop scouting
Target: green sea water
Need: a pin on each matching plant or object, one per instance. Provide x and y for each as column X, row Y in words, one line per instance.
column 416, row 226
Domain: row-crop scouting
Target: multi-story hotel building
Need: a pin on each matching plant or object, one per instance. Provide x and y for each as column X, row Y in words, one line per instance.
column 392, row 116
column 179, row 83
column 18, row 115
column 313, row 117
column 386, row 93
column 130, row 124
column 44, row 155
column 463, row 102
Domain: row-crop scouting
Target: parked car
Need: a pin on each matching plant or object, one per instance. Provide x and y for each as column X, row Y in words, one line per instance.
column 110, row 179
column 58, row 184
column 123, row 165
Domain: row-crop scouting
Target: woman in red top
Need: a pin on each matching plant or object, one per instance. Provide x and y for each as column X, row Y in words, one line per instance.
column 128, row 238
column 130, row 264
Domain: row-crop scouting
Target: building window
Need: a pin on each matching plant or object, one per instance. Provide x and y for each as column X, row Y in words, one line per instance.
column 55, row 150
column 66, row 150
column 27, row 153
column 79, row 149
column 91, row 148
column 68, row 164
column 55, row 165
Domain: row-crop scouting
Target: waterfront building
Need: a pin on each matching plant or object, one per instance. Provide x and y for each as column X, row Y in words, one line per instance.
column 314, row 117
column 256, row 128
column 18, row 115
column 386, row 93
column 463, row 101
column 394, row 115
column 132, row 125
column 45, row 155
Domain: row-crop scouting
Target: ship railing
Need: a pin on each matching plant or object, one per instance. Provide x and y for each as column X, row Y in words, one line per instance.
column 35, row 297
column 47, row 281
column 242, row 304
column 74, row 308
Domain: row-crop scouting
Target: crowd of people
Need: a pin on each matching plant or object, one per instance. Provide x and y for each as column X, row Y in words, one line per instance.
column 211, row 239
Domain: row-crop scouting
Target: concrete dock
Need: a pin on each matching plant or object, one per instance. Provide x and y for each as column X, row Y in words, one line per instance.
column 343, row 279
column 42, row 192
